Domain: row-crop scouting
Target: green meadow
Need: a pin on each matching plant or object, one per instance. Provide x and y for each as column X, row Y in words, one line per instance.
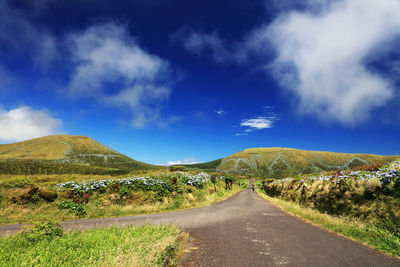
column 46, row 245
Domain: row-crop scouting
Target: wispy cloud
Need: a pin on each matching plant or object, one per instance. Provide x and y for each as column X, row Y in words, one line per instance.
column 110, row 66
column 222, row 50
column 25, row 123
column 266, row 121
column 220, row 112
column 19, row 36
column 258, row 123
column 198, row 43
column 179, row 162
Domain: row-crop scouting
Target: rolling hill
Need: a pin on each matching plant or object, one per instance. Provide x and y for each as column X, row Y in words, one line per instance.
column 205, row 166
column 63, row 153
column 69, row 149
column 284, row 162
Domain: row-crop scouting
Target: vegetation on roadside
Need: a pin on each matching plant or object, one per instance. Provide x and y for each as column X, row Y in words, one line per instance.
column 35, row 197
column 372, row 196
column 366, row 202
column 45, row 244
column 351, row 227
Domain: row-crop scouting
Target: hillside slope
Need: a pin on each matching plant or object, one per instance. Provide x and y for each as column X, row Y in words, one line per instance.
column 70, row 149
column 205, row 166
column 283, row 162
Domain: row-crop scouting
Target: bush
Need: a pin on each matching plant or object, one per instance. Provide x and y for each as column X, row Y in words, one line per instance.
column 35, row 195
column 368, row 167
column 43, row 230
column 124, row 191
column 47, row 195
column 76, row 208
column 32, row 196
column 35, row 198
column 163, row 185
column 177, row 168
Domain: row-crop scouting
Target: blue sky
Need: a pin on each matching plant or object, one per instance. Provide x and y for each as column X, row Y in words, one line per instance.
column 184, row 81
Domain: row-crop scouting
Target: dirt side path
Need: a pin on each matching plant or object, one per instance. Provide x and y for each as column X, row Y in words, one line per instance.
column 246, row 230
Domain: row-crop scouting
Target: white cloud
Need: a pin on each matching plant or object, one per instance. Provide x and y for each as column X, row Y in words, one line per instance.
column 25, row 123
column 111, row 67
column 322, row 51
column 266, row 121
column 258, row 123
column 220, row 112
column 321, row 57
column 106, row 63
column 180, row 162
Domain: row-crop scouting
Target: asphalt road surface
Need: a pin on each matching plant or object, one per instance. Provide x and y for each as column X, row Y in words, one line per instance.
column 246, row 230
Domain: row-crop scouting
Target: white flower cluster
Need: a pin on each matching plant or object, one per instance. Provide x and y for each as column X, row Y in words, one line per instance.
column 197, row 180
column 385, row 175
column 146, row 183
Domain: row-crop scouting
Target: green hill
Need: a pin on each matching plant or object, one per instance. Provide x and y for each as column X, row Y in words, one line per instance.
column 284, row 162
column 206, row 166
column 68, row 149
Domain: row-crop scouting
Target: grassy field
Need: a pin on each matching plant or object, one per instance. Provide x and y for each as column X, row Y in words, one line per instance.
column 132, row 246
column 19, row 204
column 284, row 162
column 357, row 230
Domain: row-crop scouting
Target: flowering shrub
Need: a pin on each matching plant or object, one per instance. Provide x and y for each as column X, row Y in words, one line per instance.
column 161, row 184
column 388, row 177
column 372, row 195
column 197, row 181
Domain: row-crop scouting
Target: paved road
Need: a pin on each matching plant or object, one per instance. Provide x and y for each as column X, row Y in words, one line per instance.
column 246, row 230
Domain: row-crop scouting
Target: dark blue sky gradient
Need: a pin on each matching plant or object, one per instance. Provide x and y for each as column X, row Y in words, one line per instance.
column 199, row 85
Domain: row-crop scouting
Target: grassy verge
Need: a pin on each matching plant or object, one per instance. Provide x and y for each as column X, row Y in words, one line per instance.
column 132, row 246
column 354, row 229
column 109, row 204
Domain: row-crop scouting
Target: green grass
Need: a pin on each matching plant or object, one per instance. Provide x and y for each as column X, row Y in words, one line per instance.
column 132, row 246
column 352, row 228
column 47, row 167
